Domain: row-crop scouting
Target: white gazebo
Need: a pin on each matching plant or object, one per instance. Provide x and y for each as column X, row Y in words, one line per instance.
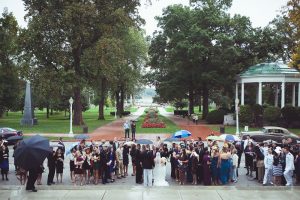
column 272, row 73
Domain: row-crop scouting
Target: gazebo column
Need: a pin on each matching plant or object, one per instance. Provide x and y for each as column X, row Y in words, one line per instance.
column 298, row 94
column 236, row 91
column 260, row 93
column 294, row 95
column 282, row 94
column 242, row 94
column 276, row 95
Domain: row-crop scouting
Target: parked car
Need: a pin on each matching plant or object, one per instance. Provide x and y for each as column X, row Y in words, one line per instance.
column 6, row 132
column 271, row 133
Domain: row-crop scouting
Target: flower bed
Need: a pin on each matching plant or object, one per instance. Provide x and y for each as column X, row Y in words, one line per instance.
column 152, row 121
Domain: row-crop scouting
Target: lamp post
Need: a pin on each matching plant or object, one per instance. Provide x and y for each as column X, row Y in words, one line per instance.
column 115, row 109
column 71, row 101
column 237, row 101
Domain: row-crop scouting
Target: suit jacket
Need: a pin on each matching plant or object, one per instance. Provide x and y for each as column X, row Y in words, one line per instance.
column 147, row 160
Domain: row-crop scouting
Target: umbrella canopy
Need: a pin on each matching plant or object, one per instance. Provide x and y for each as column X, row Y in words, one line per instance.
column 171, row 139
column 32, row 152
column 14, row 138
column 182, row 134
column 213, row 137
column 144, row 141
column 71, row 147
column 229, row 138
column 129, row 143
column 81, row 137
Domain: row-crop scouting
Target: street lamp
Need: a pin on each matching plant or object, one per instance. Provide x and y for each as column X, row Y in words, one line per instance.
column 115, row 109
column 237, row 101
column 71, row 101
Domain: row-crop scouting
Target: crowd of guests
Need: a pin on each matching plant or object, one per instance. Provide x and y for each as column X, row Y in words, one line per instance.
column 192, row 162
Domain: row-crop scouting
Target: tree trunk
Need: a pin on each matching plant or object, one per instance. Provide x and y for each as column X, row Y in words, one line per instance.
column 77, row 107
column 102, row 100
column 51, row 111
column 200, row 101
column 118, row 103
column 191, row 101
column 47, row 108
column 77, row 90
column 205, row 102
column 122, row 101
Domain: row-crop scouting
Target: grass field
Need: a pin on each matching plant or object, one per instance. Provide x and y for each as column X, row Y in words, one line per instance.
column 170, row 126
column 58, row 122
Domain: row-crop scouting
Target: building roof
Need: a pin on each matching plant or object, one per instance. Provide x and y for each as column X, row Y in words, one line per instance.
column 270, row 69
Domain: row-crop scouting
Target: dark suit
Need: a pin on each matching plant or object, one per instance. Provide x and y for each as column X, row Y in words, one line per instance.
column 51, row 166
column 33, row 174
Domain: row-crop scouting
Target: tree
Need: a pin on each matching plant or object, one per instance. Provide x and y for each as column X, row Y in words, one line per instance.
column 9, row 81
column 60, row 31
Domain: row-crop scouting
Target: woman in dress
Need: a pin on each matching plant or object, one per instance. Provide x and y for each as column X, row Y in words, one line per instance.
column 194, row 167
column 87, row 165
column 297, row 168
column 125, row 159
column 96, row 164
column 41, row 170
column 59, row 164
column 183, row 160
column 78, row 161
column 224, row 165
column 214, row 165
column 277, row 167
column 160, row 171
column 4, row 161
column 72, row 165
column 133, row 159
column 111, row 163
column 249, row 157
column 206, row 168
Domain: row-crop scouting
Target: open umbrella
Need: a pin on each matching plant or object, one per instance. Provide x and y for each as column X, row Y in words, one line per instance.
column 81, row 137
column 129, row 143
column 32, row 152
column 14, row 138
column 213, row 137
column 182, row 134
column 71, row 147
column 171, row 139
column 144, row 141
column 229, row 138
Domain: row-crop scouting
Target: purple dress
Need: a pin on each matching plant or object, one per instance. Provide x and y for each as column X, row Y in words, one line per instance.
column 206, row 170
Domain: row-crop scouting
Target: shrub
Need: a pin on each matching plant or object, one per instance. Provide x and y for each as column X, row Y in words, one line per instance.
column 245, row 114
column 258, row 115
column 181, row 112
column 272, row 114
column 289, row 113
column 226, row 110
column 125, row 113
column 215, row 117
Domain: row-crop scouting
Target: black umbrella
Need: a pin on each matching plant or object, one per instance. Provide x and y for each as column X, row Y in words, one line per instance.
column 14, row 138
column 32, row 152
column 144, row 141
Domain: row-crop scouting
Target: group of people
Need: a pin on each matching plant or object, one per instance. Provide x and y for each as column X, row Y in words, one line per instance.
column 192, row 162
column 273, row 163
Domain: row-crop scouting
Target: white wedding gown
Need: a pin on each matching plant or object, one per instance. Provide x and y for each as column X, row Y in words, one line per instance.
column 159, row 172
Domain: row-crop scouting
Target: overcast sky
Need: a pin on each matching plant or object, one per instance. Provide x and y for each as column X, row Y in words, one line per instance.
column 261, row 12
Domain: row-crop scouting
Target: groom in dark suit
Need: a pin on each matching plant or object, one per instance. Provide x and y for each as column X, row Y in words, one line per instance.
column 148, row 164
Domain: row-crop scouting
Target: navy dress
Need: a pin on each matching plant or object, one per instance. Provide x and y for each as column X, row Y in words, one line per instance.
column 214, row 168
column 224, row 171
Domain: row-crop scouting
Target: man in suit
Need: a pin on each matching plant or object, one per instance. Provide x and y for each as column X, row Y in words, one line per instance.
column 148, row 164
column 289, row 166
column 51, row 166
column 33, row 174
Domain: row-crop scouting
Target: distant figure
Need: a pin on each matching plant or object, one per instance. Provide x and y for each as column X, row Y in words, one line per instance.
column 133, row 129
column 126, row 127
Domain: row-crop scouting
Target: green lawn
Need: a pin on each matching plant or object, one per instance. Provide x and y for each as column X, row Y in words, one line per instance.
column 57, row 123
column 232, row 129
column 170, row 126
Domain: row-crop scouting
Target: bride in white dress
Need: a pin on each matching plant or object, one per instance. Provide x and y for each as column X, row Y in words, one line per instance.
column 159, row 171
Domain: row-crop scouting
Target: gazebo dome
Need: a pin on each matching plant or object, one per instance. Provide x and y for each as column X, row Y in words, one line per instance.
column 269, row 68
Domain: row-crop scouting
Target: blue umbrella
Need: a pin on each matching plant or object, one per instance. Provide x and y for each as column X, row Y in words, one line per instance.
column 229, row 137
column 81, row 137
column 72, row 146
column 144, row 141
column 182, row 134
column 171, row 139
